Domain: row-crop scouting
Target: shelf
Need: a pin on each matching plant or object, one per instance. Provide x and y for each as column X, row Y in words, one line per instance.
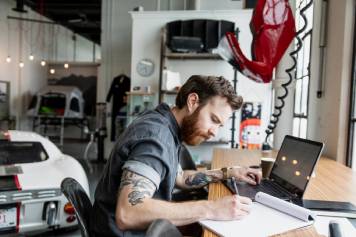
column 192, row 56
column 139, row 93
column 169, row 92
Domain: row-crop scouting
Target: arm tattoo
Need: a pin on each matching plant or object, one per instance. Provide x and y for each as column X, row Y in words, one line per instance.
column 141, row 187
column 201, row 179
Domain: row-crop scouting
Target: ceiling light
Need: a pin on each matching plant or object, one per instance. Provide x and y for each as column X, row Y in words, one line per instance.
column 52, row 71
column 43, row 63
column 31, row 57
column 21, row 64
column 8, row 59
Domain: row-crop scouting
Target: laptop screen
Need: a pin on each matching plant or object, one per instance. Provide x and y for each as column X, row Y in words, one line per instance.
column 295, row 163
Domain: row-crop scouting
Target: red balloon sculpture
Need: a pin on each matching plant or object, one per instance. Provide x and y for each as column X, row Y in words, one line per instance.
column 273, row 29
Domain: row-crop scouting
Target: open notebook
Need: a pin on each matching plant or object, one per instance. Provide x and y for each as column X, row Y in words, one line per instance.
column 269, row 215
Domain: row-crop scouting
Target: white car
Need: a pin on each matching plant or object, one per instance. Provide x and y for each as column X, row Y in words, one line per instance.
column 31, row 171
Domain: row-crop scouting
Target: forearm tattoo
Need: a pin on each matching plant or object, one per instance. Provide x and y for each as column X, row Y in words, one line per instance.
column 201, row 179
column 141, row 187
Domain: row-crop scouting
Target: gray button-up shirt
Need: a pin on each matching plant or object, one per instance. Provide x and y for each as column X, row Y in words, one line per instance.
column 149, row 147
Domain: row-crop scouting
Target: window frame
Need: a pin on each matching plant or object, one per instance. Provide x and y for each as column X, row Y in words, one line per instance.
column 352, row 110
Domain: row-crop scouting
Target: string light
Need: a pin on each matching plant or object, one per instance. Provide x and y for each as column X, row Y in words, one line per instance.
column 66, row 65
column 21, row 64
column 52, row 71
column 8, row 59
column 43, row 63
column 31, row 57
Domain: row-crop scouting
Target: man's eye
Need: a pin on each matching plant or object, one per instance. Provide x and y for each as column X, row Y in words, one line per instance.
column 215, row 120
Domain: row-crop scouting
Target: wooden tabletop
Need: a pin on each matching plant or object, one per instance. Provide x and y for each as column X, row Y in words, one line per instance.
column 333, row 181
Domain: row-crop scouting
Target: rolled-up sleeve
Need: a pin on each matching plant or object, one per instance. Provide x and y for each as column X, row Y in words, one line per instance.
column 147, row 158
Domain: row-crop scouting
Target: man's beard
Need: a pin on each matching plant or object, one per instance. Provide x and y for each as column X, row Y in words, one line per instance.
column 190, row 132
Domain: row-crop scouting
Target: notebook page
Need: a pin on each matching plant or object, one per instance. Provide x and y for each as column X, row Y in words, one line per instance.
column 261, row 222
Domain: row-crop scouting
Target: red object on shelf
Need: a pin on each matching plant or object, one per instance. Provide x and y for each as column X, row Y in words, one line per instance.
column 273, row 29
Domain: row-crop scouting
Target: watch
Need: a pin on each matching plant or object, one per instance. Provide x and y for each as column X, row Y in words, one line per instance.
column 224, row 171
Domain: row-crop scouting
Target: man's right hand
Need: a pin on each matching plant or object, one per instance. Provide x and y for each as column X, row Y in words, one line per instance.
column 233, row 207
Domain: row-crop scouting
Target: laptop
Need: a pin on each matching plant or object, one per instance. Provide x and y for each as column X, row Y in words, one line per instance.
column 290, row 173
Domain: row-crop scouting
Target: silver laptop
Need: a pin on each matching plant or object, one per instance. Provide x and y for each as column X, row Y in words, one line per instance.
column 290, row 173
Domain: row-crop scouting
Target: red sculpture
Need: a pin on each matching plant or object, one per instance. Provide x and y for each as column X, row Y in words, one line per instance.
column 273, row 29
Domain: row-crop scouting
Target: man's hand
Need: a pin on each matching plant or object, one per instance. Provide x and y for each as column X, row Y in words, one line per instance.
column 248, row 175
column 233, row 207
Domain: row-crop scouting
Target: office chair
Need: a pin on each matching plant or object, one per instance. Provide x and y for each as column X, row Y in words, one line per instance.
column 187, row 163
column 186, row 160
column 162, row 228
column 76, row 195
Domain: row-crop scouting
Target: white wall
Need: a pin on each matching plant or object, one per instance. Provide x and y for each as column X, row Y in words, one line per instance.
column 146, row 40
column 28, row 80
column 116, row 32
column 116, row 26
column 328, row 116
column 218, row 5
column 199, row 5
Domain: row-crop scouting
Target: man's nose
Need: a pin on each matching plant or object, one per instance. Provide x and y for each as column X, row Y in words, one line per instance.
column 213, row 131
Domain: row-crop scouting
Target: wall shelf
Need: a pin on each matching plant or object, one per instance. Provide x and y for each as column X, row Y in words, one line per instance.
column 169, row 92
column 182, row 56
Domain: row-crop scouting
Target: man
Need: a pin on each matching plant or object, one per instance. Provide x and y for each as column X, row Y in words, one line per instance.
column 137, row 183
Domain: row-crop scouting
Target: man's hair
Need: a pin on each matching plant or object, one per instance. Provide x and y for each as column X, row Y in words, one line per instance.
column 207, row 87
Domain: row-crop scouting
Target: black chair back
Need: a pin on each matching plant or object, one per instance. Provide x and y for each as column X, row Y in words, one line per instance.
column 76, row 195
column 162, row 228
column 185, row 159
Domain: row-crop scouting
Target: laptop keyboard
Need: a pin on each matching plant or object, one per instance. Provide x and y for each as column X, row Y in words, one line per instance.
column 265, row 186
column 271, row 188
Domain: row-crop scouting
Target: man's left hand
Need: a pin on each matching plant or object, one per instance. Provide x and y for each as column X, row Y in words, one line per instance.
column 248, row 175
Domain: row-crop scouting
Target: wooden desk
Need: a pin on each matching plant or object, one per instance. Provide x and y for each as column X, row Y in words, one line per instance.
column 333, row 182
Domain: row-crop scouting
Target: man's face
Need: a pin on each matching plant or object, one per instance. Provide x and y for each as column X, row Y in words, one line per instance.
column 204, row 122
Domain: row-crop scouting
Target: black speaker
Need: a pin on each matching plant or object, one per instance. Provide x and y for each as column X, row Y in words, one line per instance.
column 184, row 44
column 208, row 31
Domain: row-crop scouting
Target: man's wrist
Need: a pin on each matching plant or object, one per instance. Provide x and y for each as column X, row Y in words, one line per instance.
column 228, row 172
column 225, row 171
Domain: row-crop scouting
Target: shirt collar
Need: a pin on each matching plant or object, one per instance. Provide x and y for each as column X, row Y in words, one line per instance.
column 165, row 110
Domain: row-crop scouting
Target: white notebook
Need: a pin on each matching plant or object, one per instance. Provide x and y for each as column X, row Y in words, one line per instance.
column 269, row 216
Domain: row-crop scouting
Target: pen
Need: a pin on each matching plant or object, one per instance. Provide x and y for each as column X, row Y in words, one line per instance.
column 233, row 180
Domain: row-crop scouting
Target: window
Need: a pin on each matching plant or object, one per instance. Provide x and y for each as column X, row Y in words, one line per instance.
column 351, row 156
column 302, row 72
column 13, row 152
column 52, row 104
column 74, row 104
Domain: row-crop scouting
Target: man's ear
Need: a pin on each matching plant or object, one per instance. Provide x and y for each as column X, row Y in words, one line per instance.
column 192, row 102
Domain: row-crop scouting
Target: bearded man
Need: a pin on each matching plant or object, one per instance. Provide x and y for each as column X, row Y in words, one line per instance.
column 138, row 180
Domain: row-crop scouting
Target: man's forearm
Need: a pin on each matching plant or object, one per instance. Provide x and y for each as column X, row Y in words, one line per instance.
column 140, row 216
column 136, row 208
column 191, row 179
